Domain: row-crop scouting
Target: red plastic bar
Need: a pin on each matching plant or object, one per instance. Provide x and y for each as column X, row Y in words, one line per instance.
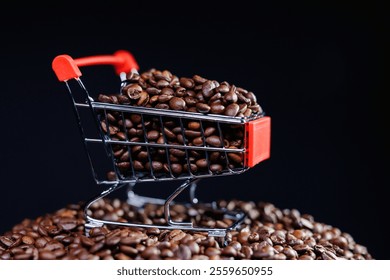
column 258, row 144
column 66, row 68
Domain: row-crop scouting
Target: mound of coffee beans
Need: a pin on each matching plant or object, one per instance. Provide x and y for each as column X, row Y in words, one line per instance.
column 163, row 90
column 268, row 233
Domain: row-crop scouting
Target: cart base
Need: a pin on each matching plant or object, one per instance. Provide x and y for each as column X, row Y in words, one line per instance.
column 140, row 201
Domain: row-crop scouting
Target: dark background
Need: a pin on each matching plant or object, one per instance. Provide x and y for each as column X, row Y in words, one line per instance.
column 317, row 70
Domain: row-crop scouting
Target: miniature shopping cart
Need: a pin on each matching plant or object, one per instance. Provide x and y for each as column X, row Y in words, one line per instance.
column 94, row 117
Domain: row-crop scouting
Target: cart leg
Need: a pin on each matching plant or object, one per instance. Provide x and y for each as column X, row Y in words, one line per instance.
column 170, row 199
column 193, row 186
column 92, row 222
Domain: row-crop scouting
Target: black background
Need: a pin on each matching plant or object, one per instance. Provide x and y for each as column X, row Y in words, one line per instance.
column 317, row 70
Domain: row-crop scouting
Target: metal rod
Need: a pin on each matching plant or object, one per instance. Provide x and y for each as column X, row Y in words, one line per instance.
column 170, row 113
column 170, row 199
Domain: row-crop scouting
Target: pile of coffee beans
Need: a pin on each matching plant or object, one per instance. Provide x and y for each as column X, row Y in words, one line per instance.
column 163, row 90
column 268, row 233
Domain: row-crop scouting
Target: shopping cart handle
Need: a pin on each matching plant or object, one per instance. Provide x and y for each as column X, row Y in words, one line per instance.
column 66, row 68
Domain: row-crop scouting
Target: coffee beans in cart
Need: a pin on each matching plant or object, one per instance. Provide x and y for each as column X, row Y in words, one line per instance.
column 162, row 127
column 163, row 90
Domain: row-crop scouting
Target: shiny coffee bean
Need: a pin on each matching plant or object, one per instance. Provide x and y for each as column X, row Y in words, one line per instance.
column 177, row 103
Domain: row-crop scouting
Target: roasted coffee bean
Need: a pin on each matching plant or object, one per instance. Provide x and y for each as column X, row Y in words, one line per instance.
column 104, row 98
column 6, row 241
column 202, row 108
column 232, row 110
column 133, row 91
column 110, row 129
column 223, row 88
column 198, row 141
column 248, row 112
column 216, row 168
column 192, row 133
column 138, row 165
column 198, row 79
column 201, row 163
column 177, row 103
column 156, row 165
column 153, row 135
column 209, row 131
column 214, row 141
column 187, row 82
column 231, row 96
column 143, row 99
column 243, row 99
column 177, row 152
column 167, row 91
column 153, row 91
column 164, row 98
column 162, row 84
column 162, row 106
column 190, row 101
column 215, row 156
column 207, row 88
column 28, row 240
column 169, row 134
column 235, row 157
column 217, row 108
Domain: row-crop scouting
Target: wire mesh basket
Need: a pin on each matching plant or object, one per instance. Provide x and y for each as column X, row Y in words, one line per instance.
column 144, row 144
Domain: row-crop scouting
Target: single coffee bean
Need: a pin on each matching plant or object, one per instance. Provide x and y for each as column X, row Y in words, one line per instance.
column 28, row 240
column 153, row 135
column 217, row 108
column 232, row 110
column 187, row 82
column 162, row 84
column 214, row 141
column 223, row 88
column 143, row 99
column 198, row 141
column 176, row 168
column 138, row 165
column 231, row 96
column 6, row 241
column 167, row 91
column 210, row 130
column 201, row 163
column 104, row 98
column 153, row 91
column 215, row 99
column 47, row 255
column 169, row 133
column 162, row 106
column 235, row 157
column 215, row 156
column 190, row 101
column 203, row 108
column 133, row 91
column 198, row 79
column 177, row 103
column 123, row 99
column 216, row 168
column 192, row 133
column 193, row 125
column 180, row 92
column 207, row 88
column 164, row 98
column 110, row 129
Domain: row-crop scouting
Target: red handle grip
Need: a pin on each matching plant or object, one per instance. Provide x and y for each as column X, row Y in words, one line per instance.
column 66, row 68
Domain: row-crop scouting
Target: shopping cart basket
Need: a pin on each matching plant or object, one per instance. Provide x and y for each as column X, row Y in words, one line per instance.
column 94, row 120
